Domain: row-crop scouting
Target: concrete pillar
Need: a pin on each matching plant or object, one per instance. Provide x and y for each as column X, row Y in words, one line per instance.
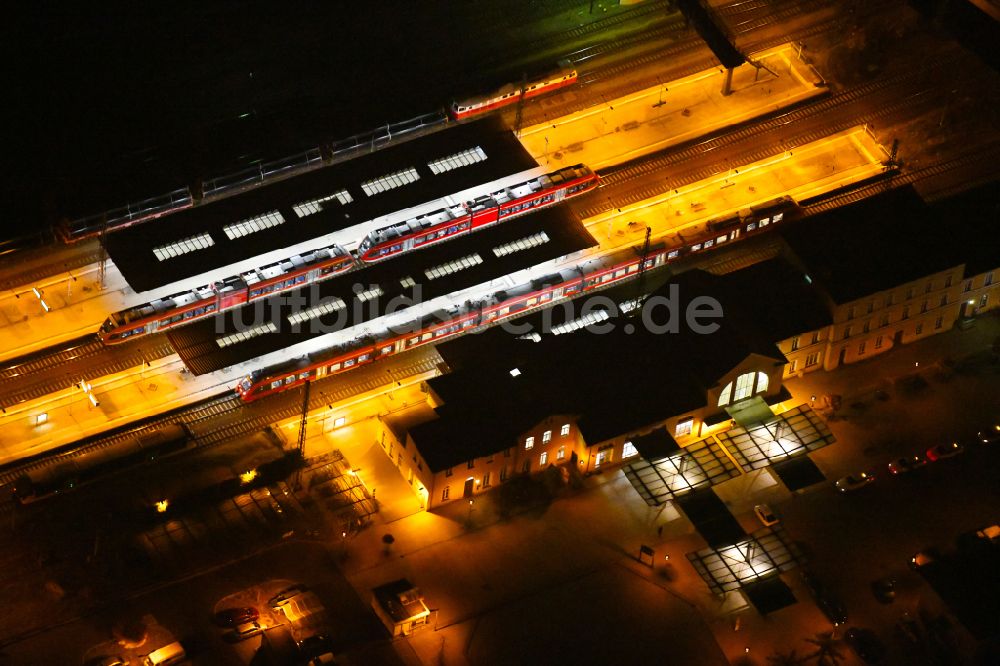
column 727, row 86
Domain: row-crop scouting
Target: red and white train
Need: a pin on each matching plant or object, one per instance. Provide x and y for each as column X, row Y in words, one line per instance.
column 511, row 93
column 315, row 265
column 567, row 283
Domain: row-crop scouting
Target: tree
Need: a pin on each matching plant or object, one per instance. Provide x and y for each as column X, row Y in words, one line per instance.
column 827, row 651
column 789, row 658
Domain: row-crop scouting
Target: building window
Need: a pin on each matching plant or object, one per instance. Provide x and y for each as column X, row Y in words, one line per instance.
column 812, row 359
column 490, row 459
column 861, row 348
column 989, row 279
column 906, row 312
column 983, row 300
column 968, row 286
column 923, row 306
column 445, row 493
column 938, row 323
column 878, row 342
column 947, row 282
column 564, row 430
column 544, row 458
column 867, row 326
column 472, row 463
column 629, row 450
column 884, row 321
column 944, row 300
column 928, row 286
column 561, row 453
column 920, row 328
column 795, row 343
column 744, row 387
column 815, row 337
column 726, row 394
column 684, row 427
column 850, row 313
column 447, row 472
column 871, row 306
column 529, row 443
column 503, row 474
column 546, row 436
column 909, row 293
column 486, row 480
column 762, row 382
column 506, row 453
column 793, row 365
column 847, row 332
column 888, row 299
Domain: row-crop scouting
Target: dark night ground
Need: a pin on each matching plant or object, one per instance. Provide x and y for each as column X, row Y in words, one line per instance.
column 101, row 90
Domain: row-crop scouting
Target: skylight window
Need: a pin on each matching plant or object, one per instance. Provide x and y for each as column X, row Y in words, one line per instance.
column 453, row 266
column 525, row 243
column 254, row 332
column 253, row 225
column 458, row 160
column 316, row 205
column 369, row 294
column 177, row 248
column 576, row 324
column 315, row 311
column 390, row 182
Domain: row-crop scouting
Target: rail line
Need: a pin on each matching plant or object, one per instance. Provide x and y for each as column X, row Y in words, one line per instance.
column 756, row 132
column 202, row 418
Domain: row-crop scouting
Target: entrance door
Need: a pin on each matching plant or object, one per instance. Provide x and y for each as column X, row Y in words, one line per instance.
column 468, row 487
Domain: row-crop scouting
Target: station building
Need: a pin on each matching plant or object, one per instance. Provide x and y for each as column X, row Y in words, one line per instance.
column 844, row 288
column 893, row 270
column 587, row 401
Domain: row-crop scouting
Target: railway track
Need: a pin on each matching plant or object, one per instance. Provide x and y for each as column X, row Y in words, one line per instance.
column 41, row 374
column 890, row 96
column 223, row 417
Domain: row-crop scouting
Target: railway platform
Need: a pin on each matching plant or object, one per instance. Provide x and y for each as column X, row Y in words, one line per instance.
column 675, row 112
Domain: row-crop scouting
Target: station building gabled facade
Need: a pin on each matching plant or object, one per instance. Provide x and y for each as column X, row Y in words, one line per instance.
column 590, row 401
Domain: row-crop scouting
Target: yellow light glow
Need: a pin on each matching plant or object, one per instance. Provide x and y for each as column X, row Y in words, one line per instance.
column 161, row 506
column 248, row 476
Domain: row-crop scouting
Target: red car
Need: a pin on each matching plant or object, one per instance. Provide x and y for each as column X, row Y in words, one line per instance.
column 942, row 451
column 230, row 617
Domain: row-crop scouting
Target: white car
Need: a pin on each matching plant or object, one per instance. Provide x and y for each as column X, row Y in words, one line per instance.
column 855, row 481
column 765, row 515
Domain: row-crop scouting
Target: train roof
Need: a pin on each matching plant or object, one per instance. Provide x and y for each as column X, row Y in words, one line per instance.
column 240, row 227
column 614, row 383
column 457, row 264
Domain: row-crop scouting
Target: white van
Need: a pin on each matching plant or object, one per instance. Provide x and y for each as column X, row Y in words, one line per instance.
column 169, row 654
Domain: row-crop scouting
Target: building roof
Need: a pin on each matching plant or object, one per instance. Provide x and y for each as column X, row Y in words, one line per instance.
column 617, row 382
column 655, row 444
column 132, row 249
column 875, row 244
column 197, row 343
column 973, row 223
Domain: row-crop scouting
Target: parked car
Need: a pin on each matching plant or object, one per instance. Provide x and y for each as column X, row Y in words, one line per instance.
column 855, row 481
column 865, row 644
column 924, row 557
column 765, row 515
column 827, row 603
column 990, row 435
column 906, row 464
column 241, row 632
column 230, row 617
column 286, row 595
column 110, row 661
column 884, row 589
column 942, row 451
column 313, row 646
